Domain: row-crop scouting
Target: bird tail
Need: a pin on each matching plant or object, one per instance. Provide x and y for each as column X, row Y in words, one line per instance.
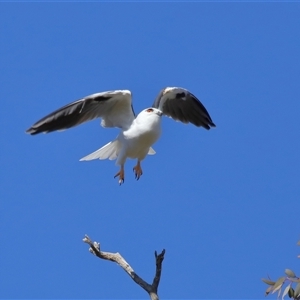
column 109, row 151
column 151, row 151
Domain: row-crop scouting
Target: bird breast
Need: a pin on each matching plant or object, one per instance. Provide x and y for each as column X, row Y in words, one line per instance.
column 141, row 135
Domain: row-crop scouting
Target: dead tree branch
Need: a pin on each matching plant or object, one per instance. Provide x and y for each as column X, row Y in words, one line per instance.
column 151, row 289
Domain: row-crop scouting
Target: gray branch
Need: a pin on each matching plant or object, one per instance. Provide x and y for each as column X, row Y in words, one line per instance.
column 151, row 289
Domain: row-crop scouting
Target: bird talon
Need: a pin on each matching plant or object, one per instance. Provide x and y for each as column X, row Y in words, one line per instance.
column 138, row 171
column 121, row 176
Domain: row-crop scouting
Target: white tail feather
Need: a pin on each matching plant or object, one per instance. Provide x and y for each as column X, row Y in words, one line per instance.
column 109, row 151
column 151, row 151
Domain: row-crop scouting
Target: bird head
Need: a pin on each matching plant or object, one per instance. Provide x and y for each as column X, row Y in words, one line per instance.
column 152, row 110
column 150, row 114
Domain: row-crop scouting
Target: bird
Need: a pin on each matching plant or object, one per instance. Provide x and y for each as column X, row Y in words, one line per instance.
column 137, row 132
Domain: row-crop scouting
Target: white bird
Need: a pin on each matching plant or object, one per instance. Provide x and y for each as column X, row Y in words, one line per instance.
column 137, row 133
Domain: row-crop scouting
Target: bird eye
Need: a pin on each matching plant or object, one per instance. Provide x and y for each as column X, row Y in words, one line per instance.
column 149, row 110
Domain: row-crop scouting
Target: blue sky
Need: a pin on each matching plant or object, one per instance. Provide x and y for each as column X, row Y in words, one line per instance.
column 223, row 203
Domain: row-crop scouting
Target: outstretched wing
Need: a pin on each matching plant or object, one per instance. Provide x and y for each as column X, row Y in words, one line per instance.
column 181, row 105
column 114, row 107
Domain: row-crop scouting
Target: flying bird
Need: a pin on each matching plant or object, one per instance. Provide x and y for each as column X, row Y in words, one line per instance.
column 137, row 133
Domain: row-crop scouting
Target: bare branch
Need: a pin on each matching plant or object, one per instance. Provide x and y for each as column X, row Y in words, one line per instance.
column 117, row 258
column 159, row 259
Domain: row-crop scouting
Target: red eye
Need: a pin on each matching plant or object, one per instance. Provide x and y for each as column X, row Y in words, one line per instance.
column 149, row 110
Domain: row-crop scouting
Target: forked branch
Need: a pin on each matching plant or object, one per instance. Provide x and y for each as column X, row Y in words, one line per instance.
column 151, row 289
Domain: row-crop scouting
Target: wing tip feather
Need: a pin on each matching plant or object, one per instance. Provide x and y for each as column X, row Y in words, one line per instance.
column 31, row 131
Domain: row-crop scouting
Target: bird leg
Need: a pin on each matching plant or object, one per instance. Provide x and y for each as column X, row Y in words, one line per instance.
column 138, row 170
column 121, row 175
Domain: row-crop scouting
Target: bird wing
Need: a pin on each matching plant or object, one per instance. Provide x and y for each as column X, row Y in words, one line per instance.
column 181, row 105
column 114, row 107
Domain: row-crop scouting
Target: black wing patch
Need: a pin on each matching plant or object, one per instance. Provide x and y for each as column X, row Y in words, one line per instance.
column 69, row 115
column 181, row 105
